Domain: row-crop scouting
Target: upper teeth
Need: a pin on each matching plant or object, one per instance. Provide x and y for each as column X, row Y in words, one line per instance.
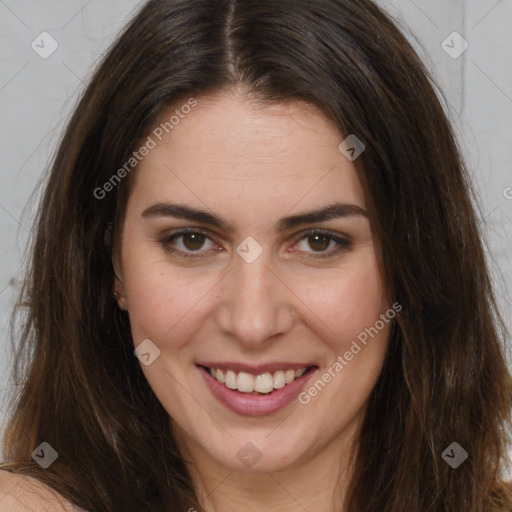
column 263, row 383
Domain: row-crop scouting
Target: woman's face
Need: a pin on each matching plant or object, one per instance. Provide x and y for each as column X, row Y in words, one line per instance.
column 246, row 251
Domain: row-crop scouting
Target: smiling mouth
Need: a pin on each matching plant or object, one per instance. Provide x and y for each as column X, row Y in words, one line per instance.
column 262, row 384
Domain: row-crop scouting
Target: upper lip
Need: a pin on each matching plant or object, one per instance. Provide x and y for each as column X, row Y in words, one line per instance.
column 254, row 369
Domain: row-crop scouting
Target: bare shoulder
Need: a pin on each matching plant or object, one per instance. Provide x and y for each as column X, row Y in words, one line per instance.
column 20, row 493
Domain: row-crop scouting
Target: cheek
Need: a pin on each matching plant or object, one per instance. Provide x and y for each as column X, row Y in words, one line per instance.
column 347, row 302
column 349, row 325
column 164, row 302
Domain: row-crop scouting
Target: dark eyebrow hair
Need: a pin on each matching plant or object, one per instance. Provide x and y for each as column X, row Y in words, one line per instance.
column 329, row 212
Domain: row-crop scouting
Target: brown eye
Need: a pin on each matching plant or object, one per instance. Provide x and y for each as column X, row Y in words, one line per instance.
column 319, row 242
column 193, row 241
column 323, row 244
column 188, row 243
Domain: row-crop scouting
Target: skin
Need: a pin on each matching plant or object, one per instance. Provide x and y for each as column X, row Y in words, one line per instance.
column 21, row 493
column 253, row 164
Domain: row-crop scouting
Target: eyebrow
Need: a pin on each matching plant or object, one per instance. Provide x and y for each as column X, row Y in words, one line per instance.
column 333, row 211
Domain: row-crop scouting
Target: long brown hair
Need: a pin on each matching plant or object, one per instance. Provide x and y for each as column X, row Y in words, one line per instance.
column 444, row 378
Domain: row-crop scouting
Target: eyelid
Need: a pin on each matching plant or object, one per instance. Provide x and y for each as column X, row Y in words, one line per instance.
column 343, row 241
column 167, row 238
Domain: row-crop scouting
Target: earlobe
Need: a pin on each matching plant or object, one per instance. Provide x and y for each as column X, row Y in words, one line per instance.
column 119, row 297
column 119, row 289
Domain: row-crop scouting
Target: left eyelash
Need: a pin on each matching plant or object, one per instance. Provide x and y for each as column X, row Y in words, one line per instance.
column 342, row 243
column 165, row 241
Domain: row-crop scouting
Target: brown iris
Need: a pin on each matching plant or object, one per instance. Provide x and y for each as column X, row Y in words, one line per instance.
column 319, row 242
column 193, row 241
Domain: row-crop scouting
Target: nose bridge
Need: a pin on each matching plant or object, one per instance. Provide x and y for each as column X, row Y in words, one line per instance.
column 255, row 305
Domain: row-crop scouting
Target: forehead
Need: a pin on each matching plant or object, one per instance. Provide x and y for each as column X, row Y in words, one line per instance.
column 229, row 149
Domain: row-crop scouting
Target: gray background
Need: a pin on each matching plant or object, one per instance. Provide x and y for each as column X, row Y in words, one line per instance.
column 37, row 95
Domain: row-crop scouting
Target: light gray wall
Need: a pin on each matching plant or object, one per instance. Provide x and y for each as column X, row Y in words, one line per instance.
column 37, row 94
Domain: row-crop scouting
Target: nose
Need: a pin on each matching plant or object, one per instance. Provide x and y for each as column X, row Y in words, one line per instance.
column 255, row 303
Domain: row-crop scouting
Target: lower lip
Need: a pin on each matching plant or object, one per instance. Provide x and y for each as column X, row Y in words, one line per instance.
column 255, row 405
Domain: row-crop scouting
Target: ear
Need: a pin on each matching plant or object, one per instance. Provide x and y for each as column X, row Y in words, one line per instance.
column 120, row 294
column 119, row 289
